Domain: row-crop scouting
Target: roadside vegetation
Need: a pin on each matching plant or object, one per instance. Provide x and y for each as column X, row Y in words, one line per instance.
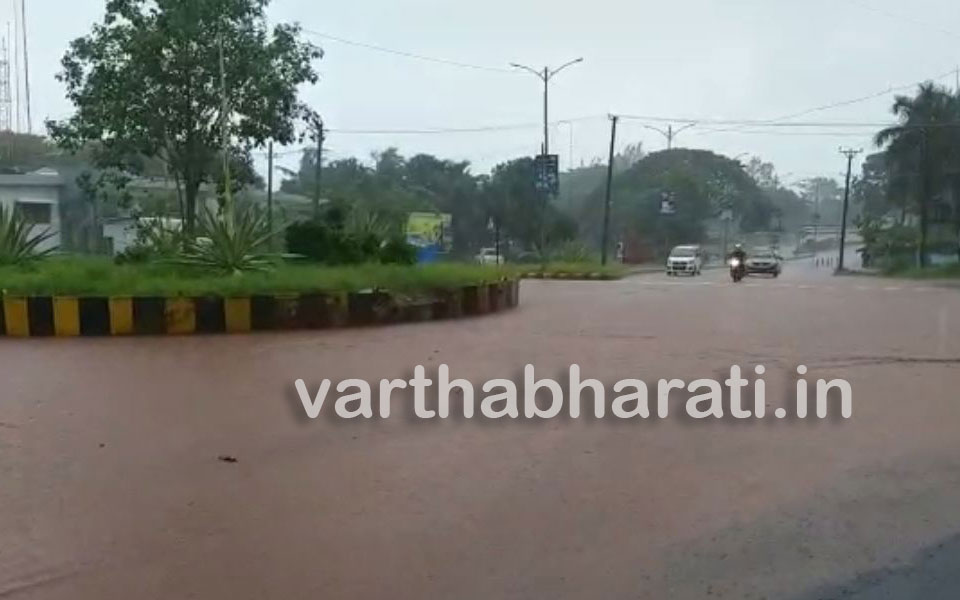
column 85, row 276
column 949, row 271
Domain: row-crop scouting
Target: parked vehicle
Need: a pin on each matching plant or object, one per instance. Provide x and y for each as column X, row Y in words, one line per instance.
column 685, row 259
column 490, row 256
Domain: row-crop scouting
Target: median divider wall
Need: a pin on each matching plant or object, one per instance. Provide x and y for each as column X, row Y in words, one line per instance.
column 71, row 316
column 571, row 276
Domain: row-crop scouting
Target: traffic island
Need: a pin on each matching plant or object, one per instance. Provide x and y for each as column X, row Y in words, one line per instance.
column 90, row 297
column 67, row 316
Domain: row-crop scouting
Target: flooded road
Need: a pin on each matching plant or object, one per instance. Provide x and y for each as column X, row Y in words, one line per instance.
column 184, row 468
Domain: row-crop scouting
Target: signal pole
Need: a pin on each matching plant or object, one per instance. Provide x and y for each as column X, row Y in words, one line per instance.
column 849, row 153
column 605, row 238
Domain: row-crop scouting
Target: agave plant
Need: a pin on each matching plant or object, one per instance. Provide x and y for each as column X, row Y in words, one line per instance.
column 19, row 244
column 233, row 243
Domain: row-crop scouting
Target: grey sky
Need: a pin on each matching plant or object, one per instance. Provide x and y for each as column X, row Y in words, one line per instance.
column 735, row 59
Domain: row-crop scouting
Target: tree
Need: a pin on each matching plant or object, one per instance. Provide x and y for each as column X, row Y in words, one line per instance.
column 525, row 215
column 763, row 173
column 701, row 183
column 146, row 81
column 871, row 189
column 919, row 148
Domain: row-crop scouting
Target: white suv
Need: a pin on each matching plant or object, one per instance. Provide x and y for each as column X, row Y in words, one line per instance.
column 685, row 259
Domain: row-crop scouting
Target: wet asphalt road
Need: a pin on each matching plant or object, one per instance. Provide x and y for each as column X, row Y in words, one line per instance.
column 111, row 486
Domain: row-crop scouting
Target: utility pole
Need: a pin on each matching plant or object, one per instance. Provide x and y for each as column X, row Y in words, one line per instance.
column 816, row 220
column 849, row 153
column 545, row 76
column 318, row 172
column 270, row 190
column 605, row 238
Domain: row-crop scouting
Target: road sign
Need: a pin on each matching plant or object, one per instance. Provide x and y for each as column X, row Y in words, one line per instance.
column 668, row 205
column 547, row 173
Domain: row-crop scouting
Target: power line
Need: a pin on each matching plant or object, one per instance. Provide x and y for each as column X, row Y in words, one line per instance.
column 412, row 55
column 849, row 102
column 901, row 18
column 456, row 130
column 753, row 122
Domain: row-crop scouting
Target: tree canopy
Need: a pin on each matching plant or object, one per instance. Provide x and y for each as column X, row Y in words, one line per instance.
column 923, row 156
column 701, row 184
column 147, row 81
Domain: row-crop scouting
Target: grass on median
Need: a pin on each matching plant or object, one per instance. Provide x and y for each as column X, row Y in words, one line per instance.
column 76, row 276
column 610, row 271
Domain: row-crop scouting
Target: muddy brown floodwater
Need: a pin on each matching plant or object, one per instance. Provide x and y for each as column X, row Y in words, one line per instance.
column 183, row 467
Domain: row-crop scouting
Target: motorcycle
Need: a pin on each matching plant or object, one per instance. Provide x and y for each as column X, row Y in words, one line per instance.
column 737, row 270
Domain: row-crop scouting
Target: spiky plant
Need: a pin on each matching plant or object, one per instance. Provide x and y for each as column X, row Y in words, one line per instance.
column 19, row 244
column 234, row 243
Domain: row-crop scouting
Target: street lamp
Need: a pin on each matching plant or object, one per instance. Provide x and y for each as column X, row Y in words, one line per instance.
column 545, row 76
column 670, row 133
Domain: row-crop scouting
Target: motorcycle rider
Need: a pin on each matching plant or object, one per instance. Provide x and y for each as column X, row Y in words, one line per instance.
column 739, row 253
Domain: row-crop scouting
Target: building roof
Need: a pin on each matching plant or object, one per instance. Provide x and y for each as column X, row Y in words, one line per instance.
column 45, row 178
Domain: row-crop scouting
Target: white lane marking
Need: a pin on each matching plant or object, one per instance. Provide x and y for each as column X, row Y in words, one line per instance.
column 892, row 289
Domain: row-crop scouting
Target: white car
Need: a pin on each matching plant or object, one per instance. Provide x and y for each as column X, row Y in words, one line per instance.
column 687, row 260
column 489, row 256
column 764, row 261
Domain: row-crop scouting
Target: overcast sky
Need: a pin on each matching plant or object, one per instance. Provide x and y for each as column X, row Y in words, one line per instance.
column 683, row 59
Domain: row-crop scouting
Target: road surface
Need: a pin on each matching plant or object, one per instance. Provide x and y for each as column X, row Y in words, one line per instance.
column 115, row 480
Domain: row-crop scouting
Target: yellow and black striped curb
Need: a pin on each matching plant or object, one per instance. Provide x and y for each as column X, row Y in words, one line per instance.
column 67, row 316
column 571, row 276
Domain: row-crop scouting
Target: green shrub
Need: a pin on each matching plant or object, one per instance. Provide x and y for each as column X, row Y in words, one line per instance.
column 18, row 245
column 396, row 251
column 156, row 240
column 321, row 243
column 232, row 244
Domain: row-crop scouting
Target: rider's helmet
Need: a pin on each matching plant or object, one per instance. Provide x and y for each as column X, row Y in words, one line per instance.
column 738, row 247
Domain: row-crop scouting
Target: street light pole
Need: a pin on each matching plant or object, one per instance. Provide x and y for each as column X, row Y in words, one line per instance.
column 545, row 76
column 670, row 133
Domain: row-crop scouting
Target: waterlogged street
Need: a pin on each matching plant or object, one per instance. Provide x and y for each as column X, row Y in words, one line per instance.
column 185, row 468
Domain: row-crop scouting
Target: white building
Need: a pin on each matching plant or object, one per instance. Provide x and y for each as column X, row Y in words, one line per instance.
column 121, row 232
column 37, row 196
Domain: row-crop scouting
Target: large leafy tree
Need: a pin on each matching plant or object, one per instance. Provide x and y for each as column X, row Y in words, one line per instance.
column 920, row 148
column 701, row 183
column 526, row 216
column 147, row 81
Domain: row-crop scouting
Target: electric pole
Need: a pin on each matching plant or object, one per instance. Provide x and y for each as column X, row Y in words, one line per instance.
column 318, row 172
column 849, row 153
column 605, row 238
column 545, row 76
